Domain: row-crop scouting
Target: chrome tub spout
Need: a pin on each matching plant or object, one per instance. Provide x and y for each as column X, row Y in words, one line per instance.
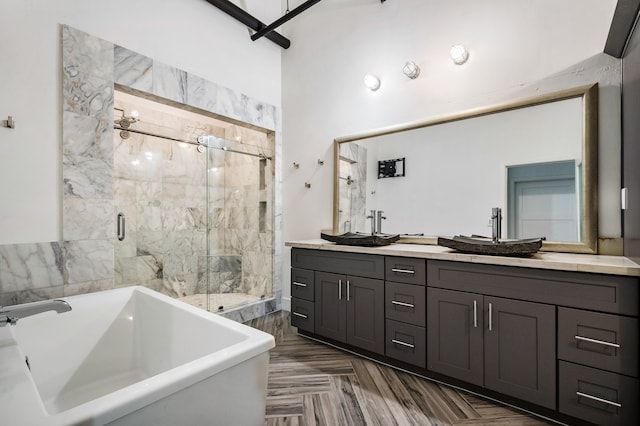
column 11, row 314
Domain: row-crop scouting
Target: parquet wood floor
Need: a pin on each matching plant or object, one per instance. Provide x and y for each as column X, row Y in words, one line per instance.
column 314, row 384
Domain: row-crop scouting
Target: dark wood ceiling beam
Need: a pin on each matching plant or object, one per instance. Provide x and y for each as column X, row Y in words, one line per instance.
column 622, row 24
column 250, row 21
column 292, row 14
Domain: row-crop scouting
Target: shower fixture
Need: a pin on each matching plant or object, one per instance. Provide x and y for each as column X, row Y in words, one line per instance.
column 126, row 122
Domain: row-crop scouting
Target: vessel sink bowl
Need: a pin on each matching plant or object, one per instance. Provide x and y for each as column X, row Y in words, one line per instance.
column 482, row 245
column 361, row 239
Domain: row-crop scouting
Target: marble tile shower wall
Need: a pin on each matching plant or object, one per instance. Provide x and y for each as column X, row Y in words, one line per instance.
column 83, row 261
column 353, row 188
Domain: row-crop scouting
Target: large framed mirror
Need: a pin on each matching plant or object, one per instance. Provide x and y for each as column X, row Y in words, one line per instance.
column 536, row 158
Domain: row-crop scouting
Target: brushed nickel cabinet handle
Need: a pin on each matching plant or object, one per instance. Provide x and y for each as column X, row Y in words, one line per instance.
column 595, row 398
column 339, row 289
column 300, row 315
column 299, row 284
column 408, row 305
column 475, row 314
column 403, row 271
column 399, row 342
column 490, row 317
column 348, row 291
column 600, row 342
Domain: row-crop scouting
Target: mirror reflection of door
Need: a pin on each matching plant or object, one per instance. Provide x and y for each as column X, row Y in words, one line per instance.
column 543, row 201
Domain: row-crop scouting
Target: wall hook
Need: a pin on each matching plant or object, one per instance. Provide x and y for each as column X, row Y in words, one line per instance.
column 9, row 123
column 321, row 162
column 307, row 185
column 296, row 165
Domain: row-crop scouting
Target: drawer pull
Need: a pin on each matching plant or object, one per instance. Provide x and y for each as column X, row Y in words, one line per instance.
column 399, row 342
column 408, row 305
column 403, row 271
column 300, row 315
column 595, row 398
column 299, row 284
column 601, row 342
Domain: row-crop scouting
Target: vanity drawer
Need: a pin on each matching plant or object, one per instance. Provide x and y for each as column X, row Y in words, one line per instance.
column 405, row 270
column 608, row 342
column 302, row 314
column 597, row 396
column 406, row 303
column 406, row 342
column 302, row 284
column 598, row 292
column 356, row 264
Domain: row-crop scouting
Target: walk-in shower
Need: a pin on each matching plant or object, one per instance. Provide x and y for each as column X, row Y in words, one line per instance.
column 194, row 199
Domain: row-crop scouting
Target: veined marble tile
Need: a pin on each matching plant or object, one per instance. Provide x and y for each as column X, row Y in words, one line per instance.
column 149, row 218
column 169, row 82
column 229, row 103
column 90, row 96
column 132, row 69
column 258, row 113
column 149, row 268
column 86, row 55
column 88, row 287
column 30, row 295
column 88, row 219
column 30, row 266
column 149, row 242
column 87, row 178
column 240, row 240
column 88, row 260
column 86, row 136
column 201, row 93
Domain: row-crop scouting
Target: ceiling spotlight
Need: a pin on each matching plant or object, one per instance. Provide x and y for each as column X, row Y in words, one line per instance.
column 459, row 54
column 411, row 70
column 372, row 82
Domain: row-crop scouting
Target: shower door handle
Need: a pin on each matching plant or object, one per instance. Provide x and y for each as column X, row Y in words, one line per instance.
column 121, row 226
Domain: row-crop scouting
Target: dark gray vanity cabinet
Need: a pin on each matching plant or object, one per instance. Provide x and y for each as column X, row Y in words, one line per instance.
column 348, row 296
column 302, row 299
column 501, row 344
column 560, row 343
column 405, row 310
column 350, row 309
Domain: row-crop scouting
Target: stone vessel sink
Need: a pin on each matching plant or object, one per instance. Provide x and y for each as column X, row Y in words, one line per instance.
column 481, row 245
column 361, row 239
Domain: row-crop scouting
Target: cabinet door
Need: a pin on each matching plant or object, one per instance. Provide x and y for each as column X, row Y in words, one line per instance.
column 520, row 350
column 365, row 313
column 454, row 334
column 330, row 306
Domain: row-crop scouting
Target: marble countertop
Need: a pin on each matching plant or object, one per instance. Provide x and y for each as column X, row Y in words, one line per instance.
column 598, row 264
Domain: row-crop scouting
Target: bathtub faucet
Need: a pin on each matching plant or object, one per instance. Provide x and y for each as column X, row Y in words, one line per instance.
column 11, row 314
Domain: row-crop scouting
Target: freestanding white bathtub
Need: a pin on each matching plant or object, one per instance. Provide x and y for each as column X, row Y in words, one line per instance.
column 132, row 356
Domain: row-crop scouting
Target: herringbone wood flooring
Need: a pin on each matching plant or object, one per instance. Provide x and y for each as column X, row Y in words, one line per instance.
column 314, row 384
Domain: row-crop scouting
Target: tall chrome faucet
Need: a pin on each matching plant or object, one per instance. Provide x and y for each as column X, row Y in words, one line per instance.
column 379, row 218
column 496, row 224
column 11, row 314
column 372, row 216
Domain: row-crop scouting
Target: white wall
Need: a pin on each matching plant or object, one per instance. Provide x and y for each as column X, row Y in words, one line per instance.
column 517, row 49
column 190, row 34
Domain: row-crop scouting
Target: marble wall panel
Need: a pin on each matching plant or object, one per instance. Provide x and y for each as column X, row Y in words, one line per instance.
column 88, row 260
column 88, row 219
column 201, row 93
column 169, row 82
column 132, row 69
column 31, row 266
